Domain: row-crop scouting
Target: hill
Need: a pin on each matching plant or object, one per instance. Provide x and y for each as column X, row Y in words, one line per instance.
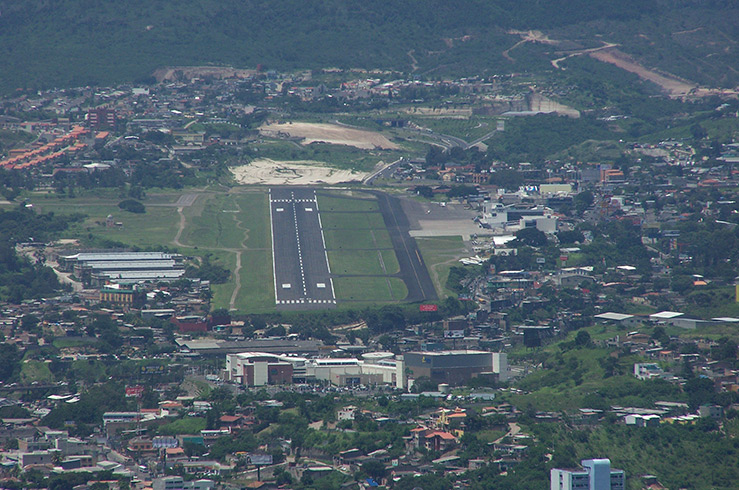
column 81, row 42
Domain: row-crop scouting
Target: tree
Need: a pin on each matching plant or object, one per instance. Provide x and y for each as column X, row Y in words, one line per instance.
column 699, row 391
column 10, row 361
column 462, row 191
column 566, row 237
column 29, row 322
column 282, row 477
column 132, row 206
column 531, row 237
column 425, row 191
column 726, row 350
column 506, row 179
column 582, row 339
column 220, row 316
column 374, row 469
column 583, row 201
column 660, row 335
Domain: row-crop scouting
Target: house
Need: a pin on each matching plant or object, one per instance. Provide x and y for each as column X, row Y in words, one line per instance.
column 711, row 411
column 346, row 413
column 439, row 441
column 230, row 421
column 639, row 420
column 647, row 371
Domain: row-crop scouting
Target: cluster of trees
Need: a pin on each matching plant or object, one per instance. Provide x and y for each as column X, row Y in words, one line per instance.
column 132, row 206
column 163, row 173
column 88, row 412
column 535, row 138
column 13, row 182
column 208, row 270
column 111, row 177
column 19, row 277
column 333, row 33
column 680, row 455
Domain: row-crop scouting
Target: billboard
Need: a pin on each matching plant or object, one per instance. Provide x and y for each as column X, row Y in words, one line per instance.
column 428, row 308
column 258, row 459
column 134, row 391
column 153, row 369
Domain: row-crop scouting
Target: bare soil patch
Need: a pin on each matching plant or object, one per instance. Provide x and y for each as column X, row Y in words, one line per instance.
column 270, row 172
column 329, row 133
column 673, row 86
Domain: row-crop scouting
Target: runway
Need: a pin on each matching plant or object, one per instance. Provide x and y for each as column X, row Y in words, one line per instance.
column 301, row 271
column 412, row 267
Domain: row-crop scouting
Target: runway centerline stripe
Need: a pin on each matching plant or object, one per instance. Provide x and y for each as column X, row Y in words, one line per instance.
column 297, row 237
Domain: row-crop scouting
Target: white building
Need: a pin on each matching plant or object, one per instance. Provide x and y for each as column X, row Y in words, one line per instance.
column 178, row 483
column 346, row 413
column 647, row 370
column 256, row 369
column 510, row 218
column 500, row 366
column 595, row 475
column 639, row 420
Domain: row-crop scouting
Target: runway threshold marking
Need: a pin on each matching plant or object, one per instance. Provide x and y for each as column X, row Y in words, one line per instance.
column 294, row 202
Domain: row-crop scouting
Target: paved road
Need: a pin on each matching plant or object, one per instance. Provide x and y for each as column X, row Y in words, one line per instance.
column 300, row 262
column 386, row 171
column 412, row 267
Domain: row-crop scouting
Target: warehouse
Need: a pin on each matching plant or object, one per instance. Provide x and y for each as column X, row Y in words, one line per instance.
column 99, row 268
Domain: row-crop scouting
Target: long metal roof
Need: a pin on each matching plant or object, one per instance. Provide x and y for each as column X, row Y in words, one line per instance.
column 116, row 256
column 134, row 264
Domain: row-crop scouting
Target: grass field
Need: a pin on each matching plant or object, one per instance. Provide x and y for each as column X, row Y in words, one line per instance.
column 63, row 342
column 359, row 245
column 356, row 239
column 35, row 371
column 370, row 289
column 156, row 227
column 440, row 254
column 232, row 225
column 211, row 223
column 355, row 221
column 342, row 204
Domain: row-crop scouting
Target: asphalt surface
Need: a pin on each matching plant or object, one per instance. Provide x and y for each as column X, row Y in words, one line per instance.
column 413, row 270
column 300, row 263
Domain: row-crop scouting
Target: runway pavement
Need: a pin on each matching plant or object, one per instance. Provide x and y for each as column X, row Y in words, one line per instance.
column 301, row 270
column 412, row 267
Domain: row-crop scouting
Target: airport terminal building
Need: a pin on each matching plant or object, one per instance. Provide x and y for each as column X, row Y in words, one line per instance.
column 261, row 368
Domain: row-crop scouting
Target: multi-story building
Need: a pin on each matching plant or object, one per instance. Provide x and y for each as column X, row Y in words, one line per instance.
column 456, row 366
column 260, row 368
column 596, row 474
column 102, row 118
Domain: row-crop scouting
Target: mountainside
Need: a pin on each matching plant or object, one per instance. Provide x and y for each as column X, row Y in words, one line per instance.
column 76, row 42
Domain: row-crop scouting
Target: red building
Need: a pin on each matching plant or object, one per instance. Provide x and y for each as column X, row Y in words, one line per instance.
column 102, row 119
column 187, row 324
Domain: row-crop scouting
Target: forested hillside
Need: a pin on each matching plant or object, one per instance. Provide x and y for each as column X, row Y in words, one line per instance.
column 75, row 42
